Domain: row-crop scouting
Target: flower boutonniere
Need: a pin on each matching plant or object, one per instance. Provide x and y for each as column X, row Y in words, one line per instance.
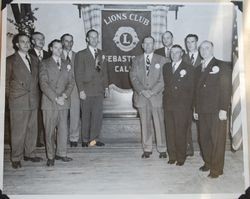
column 183, row 72
column 68, row 67
column 157, row 66
column 215, row 69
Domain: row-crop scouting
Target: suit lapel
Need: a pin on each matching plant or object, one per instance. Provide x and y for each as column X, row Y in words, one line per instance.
column 22, row 65
column 205, row 74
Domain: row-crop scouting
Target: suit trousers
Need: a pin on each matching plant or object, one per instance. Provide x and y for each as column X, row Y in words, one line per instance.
column 212, row 137
column 56, row 132
column 190, row 147
column 152, row 115
column 177, row 123
column 74, row 116
column 23, row 126
column 41, row 131
column 92, row 115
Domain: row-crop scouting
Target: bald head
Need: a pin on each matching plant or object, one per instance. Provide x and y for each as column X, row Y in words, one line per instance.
column 206, row 49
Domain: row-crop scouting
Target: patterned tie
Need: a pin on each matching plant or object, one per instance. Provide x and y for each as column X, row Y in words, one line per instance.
column 96, row 53
column 173, row 67
column 40, row 57
column 192, row 59
column 147, row 65
column 28, row 59
column 203, row 64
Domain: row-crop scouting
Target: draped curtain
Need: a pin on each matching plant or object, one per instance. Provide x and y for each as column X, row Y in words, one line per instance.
column 92, row 20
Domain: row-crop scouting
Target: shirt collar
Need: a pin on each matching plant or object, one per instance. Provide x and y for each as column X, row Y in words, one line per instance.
column 66, row 53
column 195, row 53
column 177, row 63
column 206, row 62
column 22, row 54
column 38, row 51
column 57, row 59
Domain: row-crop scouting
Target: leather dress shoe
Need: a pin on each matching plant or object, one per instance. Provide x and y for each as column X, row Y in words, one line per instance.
column 163, row 155
column 146, row 154
column 85, row 144
column 32, row 159
column 204, row 168
column 213, row 175
column 64, row 159
column 50, row 162
column 171, row 161
column 16, row 164
column 179, row 163
column 73, row 144
column 98, row 143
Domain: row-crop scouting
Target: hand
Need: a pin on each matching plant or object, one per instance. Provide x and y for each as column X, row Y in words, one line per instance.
column 146, row 93
column 222, row 115
column 196, row 116
column 107, row 93
column 82, row 95
column 60, row 101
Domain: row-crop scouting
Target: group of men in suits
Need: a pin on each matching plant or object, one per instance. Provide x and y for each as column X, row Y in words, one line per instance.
column 59, row 93
column 171, row 88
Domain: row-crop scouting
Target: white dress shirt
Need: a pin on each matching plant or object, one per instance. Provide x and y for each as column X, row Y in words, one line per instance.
column 39, row 53
column 195, row 55
column 176, row 65
column 67, row 53
column 23, row 56
column 92, row 50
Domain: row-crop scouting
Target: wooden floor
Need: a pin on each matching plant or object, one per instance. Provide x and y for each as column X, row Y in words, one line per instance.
column 120, row 170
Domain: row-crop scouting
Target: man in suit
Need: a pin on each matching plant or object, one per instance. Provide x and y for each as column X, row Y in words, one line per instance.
column 57, row 83
column 213, row 93
column 193, row 58
column 22, row 95
column 147, row 81
column 167, row 41
column 92, row 82
column 38, row 41
column 178, row 104
column 74, row 112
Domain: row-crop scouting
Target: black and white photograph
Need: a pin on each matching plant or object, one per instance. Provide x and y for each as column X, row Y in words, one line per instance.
column 136, row 99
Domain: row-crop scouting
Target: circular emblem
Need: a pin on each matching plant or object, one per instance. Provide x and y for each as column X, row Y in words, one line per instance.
column 157, row 66
column 68, row 67
column 126, row 38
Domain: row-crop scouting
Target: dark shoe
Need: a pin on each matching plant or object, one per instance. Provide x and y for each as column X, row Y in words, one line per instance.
column 73, row 144
column 171, row 161
column 16, row 164
column 85, row 144
column 50, row 162
column 98, row 143
column 163, row 155
column 213, row 175
column 204, row 168
column 179, row 163
column 64, row 159
column 40, row 145
column 146, row 154
column 33, row 159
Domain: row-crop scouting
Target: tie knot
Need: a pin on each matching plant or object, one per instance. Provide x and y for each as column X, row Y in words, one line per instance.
column 147, row 60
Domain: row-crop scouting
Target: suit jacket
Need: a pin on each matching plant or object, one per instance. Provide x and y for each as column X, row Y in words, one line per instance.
column 21, row 84
column 88, row 79
column 186, row 58
column 54, row 83
column 179, row 87
column 46, row 54
column 153, row 82
column 213, row 90
column 161, row 51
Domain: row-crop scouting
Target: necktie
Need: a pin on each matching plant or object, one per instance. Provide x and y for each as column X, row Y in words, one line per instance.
column 173, row 67
column 68, row 58
column 27, row 58
column 58, row 64
column 96, row 53
column 192, row 59
column 147, row 65
column 203, row 66
column 40, row 57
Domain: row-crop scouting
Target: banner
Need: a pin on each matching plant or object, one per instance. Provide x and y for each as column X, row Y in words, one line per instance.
column 122, row 34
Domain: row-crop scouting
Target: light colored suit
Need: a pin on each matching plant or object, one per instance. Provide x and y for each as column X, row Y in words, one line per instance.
column 54, row 83
column 23, row 99
column 74, row 112
column 149, row 107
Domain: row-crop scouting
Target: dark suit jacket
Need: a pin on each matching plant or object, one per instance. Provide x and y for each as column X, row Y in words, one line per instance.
column 186, row 58
column 179, row 87
column 88, row 79
column 153, row 82
column 46, row 54
column 21, row 84
column 54, row 83
column 213, row 90
column 161, row 51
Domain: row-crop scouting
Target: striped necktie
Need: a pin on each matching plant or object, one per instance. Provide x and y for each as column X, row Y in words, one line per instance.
column 147, row 65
